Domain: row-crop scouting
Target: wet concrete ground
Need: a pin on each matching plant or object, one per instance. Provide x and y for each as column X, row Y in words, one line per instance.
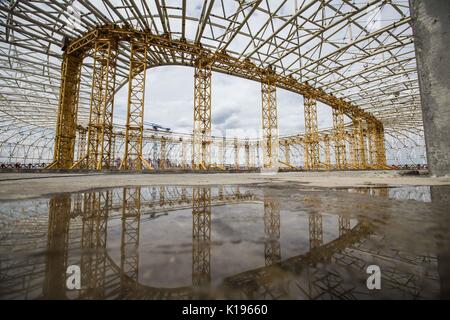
column 265, row 241
column 29, row 185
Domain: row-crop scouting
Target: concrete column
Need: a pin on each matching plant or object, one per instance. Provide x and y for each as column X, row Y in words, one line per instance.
column 431, row 28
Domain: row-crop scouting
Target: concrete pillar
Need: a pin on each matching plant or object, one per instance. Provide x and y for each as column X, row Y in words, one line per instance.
column 431, row 28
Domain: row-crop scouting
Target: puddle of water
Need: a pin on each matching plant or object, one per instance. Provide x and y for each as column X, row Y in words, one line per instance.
column 227, row 242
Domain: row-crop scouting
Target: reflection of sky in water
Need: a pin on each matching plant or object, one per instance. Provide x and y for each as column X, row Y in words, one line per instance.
column 407, row 238
column 237, row 231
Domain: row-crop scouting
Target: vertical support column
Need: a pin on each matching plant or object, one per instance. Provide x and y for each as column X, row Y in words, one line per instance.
column 67, row 111
column 183, row 153
column 359, row 144
column 220, row 154
column 201, row 143
column 113, row 151
column 163, row 153
column 272, row 250
column 287, row 152
column 258, row 159
column 100, row 126
column 81, row 150
column 129, row 249
column 236, row 153
column 372, row 137
column 381, row 151
column 312, row 159
column 201, row 236
column 252, row 155
column 351, row 141
column 247, row 153
column 270, row 143
column 430, row 22
column 326, row 145
column 133, row 158
column 224, row 151
column 339, row 138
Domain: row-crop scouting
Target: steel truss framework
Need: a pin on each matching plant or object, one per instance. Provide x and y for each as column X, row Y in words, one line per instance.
column 201, row 138
column 360, row 52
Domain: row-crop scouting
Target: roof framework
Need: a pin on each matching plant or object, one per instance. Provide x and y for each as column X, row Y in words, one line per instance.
column 361, row 51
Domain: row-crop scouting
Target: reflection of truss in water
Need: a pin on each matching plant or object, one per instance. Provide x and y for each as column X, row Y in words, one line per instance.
column 272, row 250
column 201, row 236
column 301, row 276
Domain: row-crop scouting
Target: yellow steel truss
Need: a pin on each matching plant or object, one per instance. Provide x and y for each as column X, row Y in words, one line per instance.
column 380, row 148
column 100, row 127
column 133, row 158
column 81, row 145
column 270, row 142
column 339, row 138
column 201, row 140
column 67, row 111
column 312, row 156
column 359, row 144
column 103, row 41
column 326, row 146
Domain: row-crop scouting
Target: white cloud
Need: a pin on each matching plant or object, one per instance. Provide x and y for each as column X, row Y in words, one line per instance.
column 236, row 104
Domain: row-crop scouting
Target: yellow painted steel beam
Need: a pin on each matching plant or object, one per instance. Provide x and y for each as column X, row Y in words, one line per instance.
column 312, row 157
column 339, row 139
column 270, row 143
column 133, row 158
column 201, row 139
column 359, row 144
column 100, row 127
column 67, row 111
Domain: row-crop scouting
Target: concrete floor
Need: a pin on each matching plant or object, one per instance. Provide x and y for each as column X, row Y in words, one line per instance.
column 31, row 185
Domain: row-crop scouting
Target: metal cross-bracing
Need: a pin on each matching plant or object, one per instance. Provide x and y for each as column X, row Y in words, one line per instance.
column 201, row 138
column 272, row 251
column 339, row 139
column 90, row 216
column 102, row 104
column 312, row 159
column 67, row 111
column 131, row 219
column 270, row 141
column 133, row 157
column 201, row 236
column 355, row 56
column 359, row 145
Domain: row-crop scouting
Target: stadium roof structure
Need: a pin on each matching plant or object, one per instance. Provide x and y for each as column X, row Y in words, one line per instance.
column 361, row 51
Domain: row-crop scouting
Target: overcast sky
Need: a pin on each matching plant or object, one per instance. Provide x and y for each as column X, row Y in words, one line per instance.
column 236, row 104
